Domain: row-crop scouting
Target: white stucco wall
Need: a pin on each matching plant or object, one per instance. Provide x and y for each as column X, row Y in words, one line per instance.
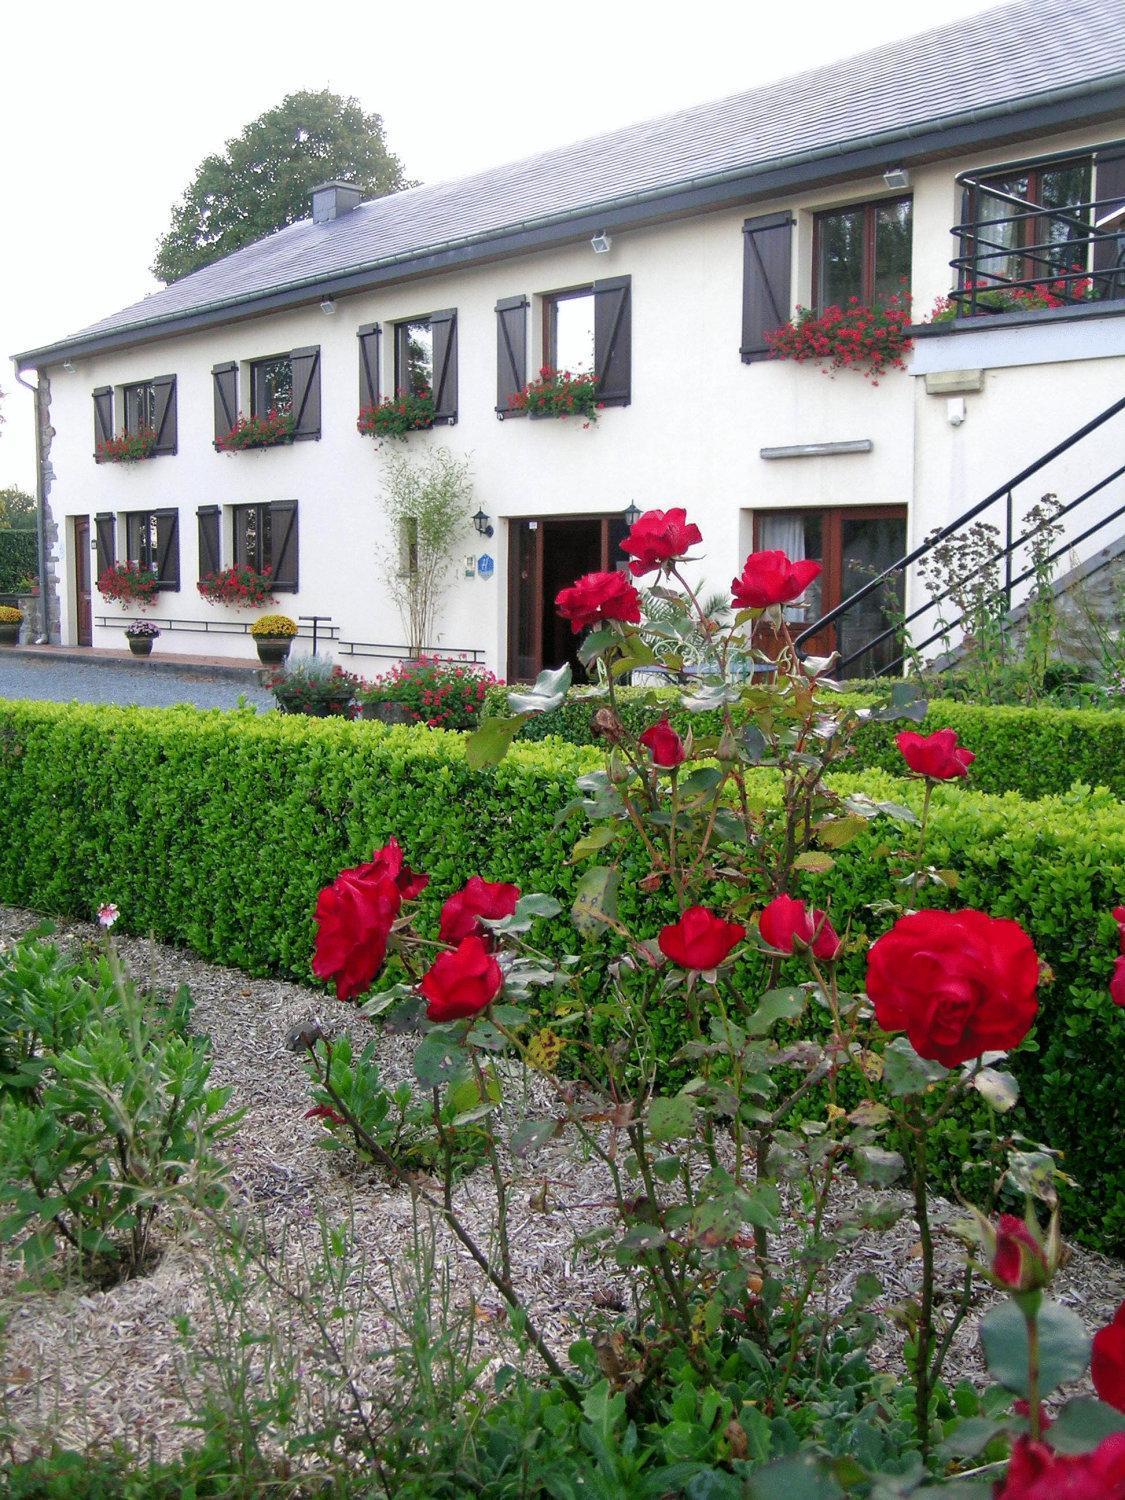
column 691, row 436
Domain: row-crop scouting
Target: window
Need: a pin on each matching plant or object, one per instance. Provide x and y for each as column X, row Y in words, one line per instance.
column 282, row 382
column 426, row 361
column 140, row 406
column 568, row 330
column 265, row 536
column 271, row 385
column 861, row 252
column 1002, row 211
column 144, row 406
column 152, row 539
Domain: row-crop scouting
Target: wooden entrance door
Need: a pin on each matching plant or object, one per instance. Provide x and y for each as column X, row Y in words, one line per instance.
column 82, row 595
column 546, row 554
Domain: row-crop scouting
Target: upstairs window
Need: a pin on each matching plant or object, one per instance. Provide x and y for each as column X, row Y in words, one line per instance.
column 140, row 407
column 414, row 358
column 271, row 385
column 568, row 331
column 862, row 252
column 1044, row 245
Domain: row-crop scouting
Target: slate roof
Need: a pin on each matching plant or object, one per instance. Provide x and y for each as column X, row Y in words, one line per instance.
column 985, row 65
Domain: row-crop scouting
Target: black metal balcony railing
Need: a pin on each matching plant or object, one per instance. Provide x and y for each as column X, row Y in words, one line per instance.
column 1017, row 253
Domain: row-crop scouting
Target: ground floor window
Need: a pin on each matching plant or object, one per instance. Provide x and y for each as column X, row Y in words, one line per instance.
column 152, row 540
column 853, row 545
column 265, row 537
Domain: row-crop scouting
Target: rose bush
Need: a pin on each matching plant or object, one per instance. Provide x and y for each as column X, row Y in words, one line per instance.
column 937, row 756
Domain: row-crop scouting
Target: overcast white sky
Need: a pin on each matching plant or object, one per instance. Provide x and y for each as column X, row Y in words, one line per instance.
column 110, row 111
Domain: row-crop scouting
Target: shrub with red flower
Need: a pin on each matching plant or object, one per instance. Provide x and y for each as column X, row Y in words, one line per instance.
column 461, row 914
column 243, row 587
column 664, row 745
column 937, row 756
column 354, row 917
column 659, row 538
column 558, row 393
column 1018, row 1260
column 129, row 583
column 1107, row 1361
column 769, row 578
column 441, row 693
column 982, row 297
column 700, row 939
column 785, row 922
column 268, row 431
column 599, row 596
column 127, row 448
column 871, row 340
column 461, row 982
column 413, row 411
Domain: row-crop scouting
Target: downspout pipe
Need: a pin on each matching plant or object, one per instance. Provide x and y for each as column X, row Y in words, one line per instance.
column 40, row 521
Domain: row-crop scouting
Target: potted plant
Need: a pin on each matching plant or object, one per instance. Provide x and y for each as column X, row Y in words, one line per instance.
column 441, row 694
column 128, row 448
column 273, row 636
column 243, row 587
column 270, row 431
column 314, row 686
column 856, row 337
column 10, row 621
column 398, row 415
column 140, row 634
column 129, row 583
column 428, row 501
column 558, row 393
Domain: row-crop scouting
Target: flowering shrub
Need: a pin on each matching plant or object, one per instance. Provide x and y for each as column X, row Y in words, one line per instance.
column 268, row 431
column 243, row 587
column 442, row 694
column 398, row 415
column 141, row 630
column 558, row 393
column 777, row 1090
column 274, row 625
column 856, row 337
column 10, row 615
column 316, row 687
column 991, row 298
column 128, row 448
column 129, row 583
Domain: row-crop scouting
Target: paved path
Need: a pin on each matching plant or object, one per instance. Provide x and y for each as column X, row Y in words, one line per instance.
column 63, row 676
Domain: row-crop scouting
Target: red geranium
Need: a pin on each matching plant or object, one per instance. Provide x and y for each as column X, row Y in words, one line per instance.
column 699, row 940
column 959, row 983
column 785, row 921
column 1018, row 1260
column 1037, row 1472
column 461, row 913
column 1107, row 1362
column 770, row 578
column 599, row 596
column 936, row 755
column 664, row 744
column 657, row 538
column 461, row 982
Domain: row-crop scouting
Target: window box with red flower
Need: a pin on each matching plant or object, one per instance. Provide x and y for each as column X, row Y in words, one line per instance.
column 558, row 393
column 128, row 448
column 413, row 411
column 243, row 587
column 871, row 340
column 270, row 431
column 129, row 583
column 980, row 298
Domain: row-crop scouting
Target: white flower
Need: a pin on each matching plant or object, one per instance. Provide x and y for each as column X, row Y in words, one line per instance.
column 108, row 914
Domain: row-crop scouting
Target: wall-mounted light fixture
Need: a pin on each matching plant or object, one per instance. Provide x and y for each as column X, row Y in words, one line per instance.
column 632, row 515
column 328, row 306
column 601, row 243
column 69, row 366
column 897, row 178
column 482, row 523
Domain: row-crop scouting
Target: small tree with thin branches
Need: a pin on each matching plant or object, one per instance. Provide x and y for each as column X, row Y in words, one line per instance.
column 428, row 502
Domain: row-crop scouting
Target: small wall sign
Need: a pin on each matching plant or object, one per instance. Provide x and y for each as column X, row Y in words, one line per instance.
column 485, row 566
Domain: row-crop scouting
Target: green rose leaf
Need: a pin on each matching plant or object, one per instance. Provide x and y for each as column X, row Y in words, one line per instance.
column 904, row 1072
column 796, row 1478
column 1064, row 1346
column 549, row 692
column 775, row 1005
column 999, row 1089
column 671, row 1119
column 1083, row 1424
column 595, row 902
column 488, row 744
column 532, row 1136
column 876, row 1167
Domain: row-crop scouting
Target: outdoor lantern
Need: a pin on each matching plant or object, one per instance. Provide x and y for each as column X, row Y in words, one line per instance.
column 897, row 178
column 482, row 523
column 601, row 243
column 632, row 515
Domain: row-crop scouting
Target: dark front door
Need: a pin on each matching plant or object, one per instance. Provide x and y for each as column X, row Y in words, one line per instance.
column 82, row 580
column 545, row 555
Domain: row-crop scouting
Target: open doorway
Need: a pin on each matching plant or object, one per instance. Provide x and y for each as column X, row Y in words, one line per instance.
column 546, row 554
column 83, row 607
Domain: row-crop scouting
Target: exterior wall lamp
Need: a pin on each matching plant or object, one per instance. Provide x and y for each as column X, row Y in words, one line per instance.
column 328, row 306
column 897, row 178
column 482, row 523
column 601, row 243
column 632, row 515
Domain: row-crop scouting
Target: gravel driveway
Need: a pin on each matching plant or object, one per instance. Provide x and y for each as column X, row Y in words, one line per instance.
column 70, row 681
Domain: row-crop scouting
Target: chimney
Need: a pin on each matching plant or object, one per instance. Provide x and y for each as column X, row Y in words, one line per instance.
column 332, row 200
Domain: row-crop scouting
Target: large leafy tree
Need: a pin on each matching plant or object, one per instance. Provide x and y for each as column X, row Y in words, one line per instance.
column 264, row 178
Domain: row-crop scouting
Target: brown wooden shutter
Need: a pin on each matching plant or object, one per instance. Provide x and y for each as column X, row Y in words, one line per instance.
column 164, row 388
column 305, row 364
column 511, row 352
column 1109, row 254
column 766, row 258
column 443, row 326
column 168, row 549
column 105, row 529
column 208, row 520
column 225, row 378
column 283, row 545
column 369, row 336
column 103, row 415
column 613, row 340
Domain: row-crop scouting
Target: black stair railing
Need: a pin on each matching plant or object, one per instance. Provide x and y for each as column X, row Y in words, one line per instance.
column 1003, row 493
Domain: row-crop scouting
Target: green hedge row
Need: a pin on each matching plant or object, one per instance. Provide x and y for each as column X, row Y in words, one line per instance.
column 218, row 829
column 19, row 558
column 1037, row 752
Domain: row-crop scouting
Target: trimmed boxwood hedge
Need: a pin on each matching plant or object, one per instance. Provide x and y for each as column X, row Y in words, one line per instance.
column 1034, row 751
column 218, row 829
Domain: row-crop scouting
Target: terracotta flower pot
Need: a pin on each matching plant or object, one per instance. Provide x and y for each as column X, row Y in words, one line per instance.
column 273, row 649
column 140, row 645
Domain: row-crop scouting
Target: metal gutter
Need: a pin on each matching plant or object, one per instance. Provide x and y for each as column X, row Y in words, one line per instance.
column 40, row 503
column 930, row 140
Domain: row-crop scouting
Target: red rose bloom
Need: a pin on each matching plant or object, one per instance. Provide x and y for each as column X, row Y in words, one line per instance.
column 658, row 537
column 937, row 755
column 785, row 921
column 770, row 578
column 460, row 915
column 1018, row 1261
column 462, row 982
column 664, row 743
column 1119, row 918
column 699, row 940
column 1107, row 1362
column 1037, row 1472
column 959, row 983
column 1117, row 982
column 599, row 596
column 354, row 917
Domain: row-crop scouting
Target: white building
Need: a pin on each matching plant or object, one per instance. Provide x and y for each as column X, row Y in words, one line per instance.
column 662, row 254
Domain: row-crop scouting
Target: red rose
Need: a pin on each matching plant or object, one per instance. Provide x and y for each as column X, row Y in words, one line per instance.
column 699, row 940
column 937, row 755
column 1117, row 982
column 1018, row 1260
column 1107, row 1362
column 461, row 982
column 959, row 983
column 477, row 898
column 388, row 861
column 664, row 743
column 658, row 537
column 770, row 578
column 785, row 921
column 1037, row 1472
column 354, row 917
column 599, row 596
